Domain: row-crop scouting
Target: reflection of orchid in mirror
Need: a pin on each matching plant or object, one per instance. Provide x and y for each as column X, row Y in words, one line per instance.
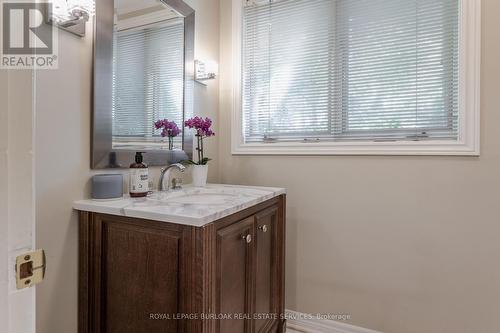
column 203, row 130
column 168, row 129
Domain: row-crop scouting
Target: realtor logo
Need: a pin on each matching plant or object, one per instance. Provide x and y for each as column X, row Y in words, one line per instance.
column 27, row 40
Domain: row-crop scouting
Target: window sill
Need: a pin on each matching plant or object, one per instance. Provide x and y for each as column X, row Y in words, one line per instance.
column 412, row 148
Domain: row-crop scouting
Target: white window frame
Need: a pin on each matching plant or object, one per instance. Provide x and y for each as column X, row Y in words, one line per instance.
column 468, row 143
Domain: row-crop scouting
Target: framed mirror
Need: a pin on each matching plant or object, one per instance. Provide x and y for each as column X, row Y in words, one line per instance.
column 143, row 72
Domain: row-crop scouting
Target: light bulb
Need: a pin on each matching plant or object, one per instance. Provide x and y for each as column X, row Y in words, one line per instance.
column 60, row 11
column 78, row 6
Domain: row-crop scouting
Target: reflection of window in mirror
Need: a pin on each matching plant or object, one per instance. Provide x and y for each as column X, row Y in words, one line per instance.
column 148, row 72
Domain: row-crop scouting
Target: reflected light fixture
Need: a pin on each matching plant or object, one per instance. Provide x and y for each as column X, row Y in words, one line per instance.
column 205, row 70
column 72, row 15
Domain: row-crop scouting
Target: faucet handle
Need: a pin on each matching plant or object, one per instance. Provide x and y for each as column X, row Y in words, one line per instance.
column 176, row 183
column 151, row 185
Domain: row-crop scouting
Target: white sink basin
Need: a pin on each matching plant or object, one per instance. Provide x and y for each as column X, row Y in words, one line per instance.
column 197, row 196
column 202, row 199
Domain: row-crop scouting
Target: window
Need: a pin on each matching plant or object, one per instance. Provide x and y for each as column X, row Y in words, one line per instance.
column 360, row 76
column 148, row 79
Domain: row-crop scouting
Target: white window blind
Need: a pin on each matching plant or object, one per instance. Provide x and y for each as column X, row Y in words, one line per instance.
column 350, row 70
column 148, row 79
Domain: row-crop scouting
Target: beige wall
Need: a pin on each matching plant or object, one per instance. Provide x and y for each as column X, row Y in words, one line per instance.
column 403, row 244
column 63, row 106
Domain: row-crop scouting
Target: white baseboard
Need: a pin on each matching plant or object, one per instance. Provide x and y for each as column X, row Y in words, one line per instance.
column 296, row 321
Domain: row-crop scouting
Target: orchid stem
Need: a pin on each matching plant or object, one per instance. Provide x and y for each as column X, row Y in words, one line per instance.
column 198, row 148
column 201, row 141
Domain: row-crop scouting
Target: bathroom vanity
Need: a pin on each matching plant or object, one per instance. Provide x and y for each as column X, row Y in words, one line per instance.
column 193, row 260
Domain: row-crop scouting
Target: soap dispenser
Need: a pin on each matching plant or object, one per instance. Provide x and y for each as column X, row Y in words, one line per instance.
column 138, row 184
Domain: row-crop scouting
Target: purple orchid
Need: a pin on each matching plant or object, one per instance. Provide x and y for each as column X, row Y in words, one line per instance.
column 203, row 130
column 201, row 125
column 169, row 129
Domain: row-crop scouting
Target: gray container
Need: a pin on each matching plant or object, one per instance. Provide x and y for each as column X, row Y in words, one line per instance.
column 108, row 186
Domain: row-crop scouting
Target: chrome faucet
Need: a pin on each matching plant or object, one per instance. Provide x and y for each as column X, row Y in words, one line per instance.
column 165, row 172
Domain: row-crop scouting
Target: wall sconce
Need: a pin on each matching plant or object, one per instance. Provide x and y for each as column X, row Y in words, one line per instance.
column 205, row 70
column 71, row 15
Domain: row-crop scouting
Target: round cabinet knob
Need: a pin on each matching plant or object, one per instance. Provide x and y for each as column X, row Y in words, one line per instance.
column 247, row 238
column 263, row 228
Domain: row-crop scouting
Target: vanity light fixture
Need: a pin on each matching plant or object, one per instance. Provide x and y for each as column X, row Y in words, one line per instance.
column 71, row 15
column 205, row 70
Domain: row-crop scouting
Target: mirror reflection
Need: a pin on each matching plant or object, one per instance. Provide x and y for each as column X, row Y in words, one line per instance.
column 148, row 73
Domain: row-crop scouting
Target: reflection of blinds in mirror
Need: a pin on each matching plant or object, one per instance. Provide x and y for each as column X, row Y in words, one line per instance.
column 148, row 79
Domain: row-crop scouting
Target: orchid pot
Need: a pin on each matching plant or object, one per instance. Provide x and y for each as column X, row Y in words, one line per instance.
column 200, row 165
column 199, row 174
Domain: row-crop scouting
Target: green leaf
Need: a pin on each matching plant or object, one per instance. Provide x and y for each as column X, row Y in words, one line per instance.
column 205, row 161
column 188, row 162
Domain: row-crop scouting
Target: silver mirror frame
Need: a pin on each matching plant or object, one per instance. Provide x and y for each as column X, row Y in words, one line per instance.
column 102, row 154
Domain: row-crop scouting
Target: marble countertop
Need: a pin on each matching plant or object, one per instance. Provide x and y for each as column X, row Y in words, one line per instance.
column 190, row 205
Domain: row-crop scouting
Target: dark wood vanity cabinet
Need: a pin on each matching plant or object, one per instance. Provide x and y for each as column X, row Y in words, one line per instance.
column 147, row 276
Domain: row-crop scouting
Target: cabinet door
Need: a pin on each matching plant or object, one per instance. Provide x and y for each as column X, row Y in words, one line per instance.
column 142, row 274
column 266, row 280
column 234, row 258
column 131, row 278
